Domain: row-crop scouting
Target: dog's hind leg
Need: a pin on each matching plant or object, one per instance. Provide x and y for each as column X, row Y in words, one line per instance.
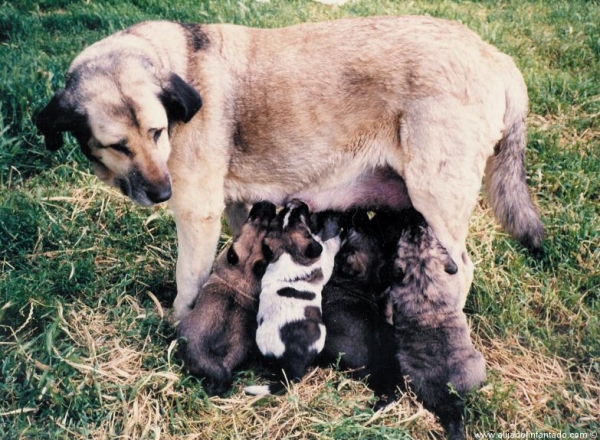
column 443, row 157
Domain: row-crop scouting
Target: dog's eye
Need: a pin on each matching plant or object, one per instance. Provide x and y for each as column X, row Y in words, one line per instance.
column 157, row 133
column 121, row 147
column 232, row 257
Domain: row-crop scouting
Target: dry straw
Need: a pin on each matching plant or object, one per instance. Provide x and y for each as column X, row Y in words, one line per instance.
column 153, row 402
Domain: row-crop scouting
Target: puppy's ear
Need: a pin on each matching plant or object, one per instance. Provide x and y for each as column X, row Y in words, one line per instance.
column 313, row 250
column 56, row 118
column 327, row 224
column 181, row 101
column 303, row 213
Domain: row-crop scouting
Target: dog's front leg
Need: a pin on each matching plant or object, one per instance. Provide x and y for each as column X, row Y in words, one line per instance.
column 197, row 208
column 198, row 236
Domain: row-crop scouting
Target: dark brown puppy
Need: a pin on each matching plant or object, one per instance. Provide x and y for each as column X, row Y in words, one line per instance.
column 432, row 334
column 358, row 335
column 221, row 328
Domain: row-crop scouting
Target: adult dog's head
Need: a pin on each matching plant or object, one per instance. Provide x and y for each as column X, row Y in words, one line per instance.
column 118, row 102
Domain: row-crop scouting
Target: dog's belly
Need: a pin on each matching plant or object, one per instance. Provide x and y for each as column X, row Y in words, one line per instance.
column 375, row 188
column 380, row 188
column 353, row 172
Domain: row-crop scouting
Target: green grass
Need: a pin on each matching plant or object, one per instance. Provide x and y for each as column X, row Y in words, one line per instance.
column 84, row 274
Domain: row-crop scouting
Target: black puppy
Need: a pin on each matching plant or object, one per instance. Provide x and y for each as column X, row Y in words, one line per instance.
column 358, row 336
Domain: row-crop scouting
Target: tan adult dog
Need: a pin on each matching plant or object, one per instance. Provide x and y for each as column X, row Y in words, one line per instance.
column 333, row 113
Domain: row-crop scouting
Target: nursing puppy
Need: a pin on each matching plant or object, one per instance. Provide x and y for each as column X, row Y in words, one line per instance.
column 357, row 334
column 290, row 330
column 220, row 328
column 434, row 347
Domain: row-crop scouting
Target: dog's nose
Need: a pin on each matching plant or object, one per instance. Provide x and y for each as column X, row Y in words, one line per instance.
column 159, row 194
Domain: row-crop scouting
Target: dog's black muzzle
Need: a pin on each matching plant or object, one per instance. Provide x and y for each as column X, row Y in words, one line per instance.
column 141, row 190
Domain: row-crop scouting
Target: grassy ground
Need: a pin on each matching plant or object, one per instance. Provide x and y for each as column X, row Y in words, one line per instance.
column 84, row 274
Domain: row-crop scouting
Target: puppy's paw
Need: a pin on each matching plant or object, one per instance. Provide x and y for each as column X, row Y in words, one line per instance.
column 258, row 390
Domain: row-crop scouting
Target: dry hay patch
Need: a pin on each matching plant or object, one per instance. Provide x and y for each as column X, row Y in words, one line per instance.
column 530, row 390
column 132, row 378
column 145, row 394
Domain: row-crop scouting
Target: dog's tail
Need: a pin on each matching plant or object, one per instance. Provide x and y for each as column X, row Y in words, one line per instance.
column 505, row 171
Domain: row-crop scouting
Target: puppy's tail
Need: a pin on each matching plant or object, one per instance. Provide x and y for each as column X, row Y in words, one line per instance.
column 505, row 171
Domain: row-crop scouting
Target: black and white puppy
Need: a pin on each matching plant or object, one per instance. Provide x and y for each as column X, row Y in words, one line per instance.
column 290, row 330
column 434, row 346
column 358, row 336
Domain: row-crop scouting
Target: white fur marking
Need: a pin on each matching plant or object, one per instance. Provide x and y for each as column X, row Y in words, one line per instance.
column 258, row 390
column 286, row 219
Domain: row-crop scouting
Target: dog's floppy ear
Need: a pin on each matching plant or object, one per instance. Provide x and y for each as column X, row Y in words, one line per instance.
column 56, row 118
column 181, row 100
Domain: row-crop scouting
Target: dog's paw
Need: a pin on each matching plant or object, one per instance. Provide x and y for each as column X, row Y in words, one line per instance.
column 258, row 390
